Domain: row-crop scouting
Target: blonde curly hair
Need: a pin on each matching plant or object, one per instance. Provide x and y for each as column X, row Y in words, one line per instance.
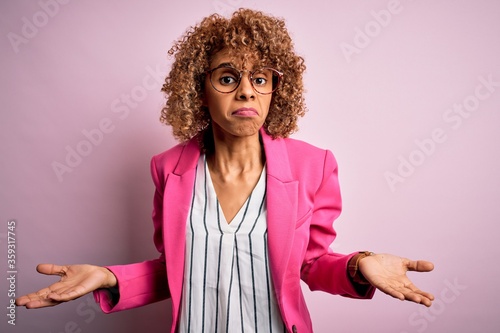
column 266, row 37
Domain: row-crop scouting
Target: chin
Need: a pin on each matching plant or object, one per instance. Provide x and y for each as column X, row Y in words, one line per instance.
column 247, row 131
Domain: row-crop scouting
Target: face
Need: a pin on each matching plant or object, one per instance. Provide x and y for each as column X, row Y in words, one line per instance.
column 240, row 113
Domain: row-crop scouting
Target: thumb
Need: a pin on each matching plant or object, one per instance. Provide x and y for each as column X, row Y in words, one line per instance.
column 51, row 269
column 420, row 266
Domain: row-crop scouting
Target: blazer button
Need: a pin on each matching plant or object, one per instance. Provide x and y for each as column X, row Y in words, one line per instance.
column 294, row 329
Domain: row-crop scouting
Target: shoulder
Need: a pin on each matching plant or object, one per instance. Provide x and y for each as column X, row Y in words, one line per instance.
column 170, row 155
column 302, row 153
column 300, row 146
column 295, row 159
column 179, row 158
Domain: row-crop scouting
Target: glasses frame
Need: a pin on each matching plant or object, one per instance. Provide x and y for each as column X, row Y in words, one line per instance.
column 279, row 76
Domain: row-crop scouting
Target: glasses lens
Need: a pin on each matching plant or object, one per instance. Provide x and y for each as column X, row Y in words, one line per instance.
column 265, row 80
column 225, row 79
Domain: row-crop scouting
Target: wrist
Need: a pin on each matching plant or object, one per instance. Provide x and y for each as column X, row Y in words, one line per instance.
column 110, row 280
column 353, row 267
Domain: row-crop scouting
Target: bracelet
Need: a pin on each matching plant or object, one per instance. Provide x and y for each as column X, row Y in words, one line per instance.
column 353, row 267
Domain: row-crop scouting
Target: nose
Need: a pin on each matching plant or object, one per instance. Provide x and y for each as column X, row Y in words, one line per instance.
column 245, row 89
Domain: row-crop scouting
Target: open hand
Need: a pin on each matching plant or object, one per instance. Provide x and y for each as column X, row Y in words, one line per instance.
column 76, row 281
column 387, row 273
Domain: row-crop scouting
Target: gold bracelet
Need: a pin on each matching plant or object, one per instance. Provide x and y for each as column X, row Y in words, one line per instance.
column 353, row 267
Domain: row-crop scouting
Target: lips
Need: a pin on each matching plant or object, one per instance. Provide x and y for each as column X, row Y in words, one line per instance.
column 245, row 112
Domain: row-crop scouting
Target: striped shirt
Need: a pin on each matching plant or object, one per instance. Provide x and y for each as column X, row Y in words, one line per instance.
column 227, row 282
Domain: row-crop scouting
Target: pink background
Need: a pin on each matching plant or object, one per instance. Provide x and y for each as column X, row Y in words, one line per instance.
column 382, row 77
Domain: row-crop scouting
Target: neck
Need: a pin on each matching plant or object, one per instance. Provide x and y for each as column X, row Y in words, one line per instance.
column 234, row 154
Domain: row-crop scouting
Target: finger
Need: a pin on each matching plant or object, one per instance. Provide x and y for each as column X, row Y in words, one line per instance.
column 412, row 293
column 41, row 294
column 406, row 293
column 65, row 296
column 392, row 292
column 41, row 303
column 424, row 294
column 51, row 269
column 23, row 300
column 426, row 301
column 412, row 296
column 47, row 298
column 418, row 298
column 420, row 266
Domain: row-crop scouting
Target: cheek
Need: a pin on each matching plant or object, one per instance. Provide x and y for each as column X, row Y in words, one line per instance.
column 217, row 105
column 210, row 98
column 265, row 103
column 218, row 101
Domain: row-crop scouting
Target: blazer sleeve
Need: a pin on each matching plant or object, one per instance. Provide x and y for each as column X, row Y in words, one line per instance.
column 323, row 269
column 140, row 283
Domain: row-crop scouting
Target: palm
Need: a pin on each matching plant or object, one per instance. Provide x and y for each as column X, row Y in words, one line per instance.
column 388, row 273
column 76, row 281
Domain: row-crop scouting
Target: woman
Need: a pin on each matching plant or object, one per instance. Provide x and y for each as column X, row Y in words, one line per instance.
column 241, row 212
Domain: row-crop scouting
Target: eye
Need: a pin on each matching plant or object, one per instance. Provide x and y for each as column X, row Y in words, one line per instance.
column 227, row 80
column 226, row 76
column 260, row 81
column 261, row 77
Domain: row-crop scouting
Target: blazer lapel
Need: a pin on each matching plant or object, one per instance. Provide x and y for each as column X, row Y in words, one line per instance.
column 177, row 202
column 282, row 196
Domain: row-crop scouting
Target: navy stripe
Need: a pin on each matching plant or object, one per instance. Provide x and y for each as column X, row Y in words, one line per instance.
column 268, row 284
column 244, row 213
column 232, row 266
column 218, row 268
column 239, row 285
column 206, row 252
column 251, row 262
column 238, row 259
column 229, row 296
column 192, row 251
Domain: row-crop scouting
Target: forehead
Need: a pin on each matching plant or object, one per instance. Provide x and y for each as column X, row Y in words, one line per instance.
column 241, row 58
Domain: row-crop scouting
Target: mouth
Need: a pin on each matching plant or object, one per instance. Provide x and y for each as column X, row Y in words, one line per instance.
column 245, row 112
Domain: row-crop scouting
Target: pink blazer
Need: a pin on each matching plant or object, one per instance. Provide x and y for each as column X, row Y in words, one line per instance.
column 303, row 200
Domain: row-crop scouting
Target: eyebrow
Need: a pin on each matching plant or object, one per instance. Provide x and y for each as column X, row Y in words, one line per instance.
column 226, row 64
column 229, row 64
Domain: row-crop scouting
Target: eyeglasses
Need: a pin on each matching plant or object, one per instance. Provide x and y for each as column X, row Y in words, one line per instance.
column 226, row 79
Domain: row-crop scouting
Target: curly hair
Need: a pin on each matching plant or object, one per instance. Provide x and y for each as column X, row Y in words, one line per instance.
column 266, row 37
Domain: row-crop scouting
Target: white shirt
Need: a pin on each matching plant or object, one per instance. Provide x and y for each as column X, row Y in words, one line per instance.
column 227, row 283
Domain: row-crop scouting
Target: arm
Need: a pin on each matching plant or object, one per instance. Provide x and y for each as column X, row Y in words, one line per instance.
column 358, row 274
column 115, row 287
column 138, row 284
column 142, row 283
column 322, row 269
